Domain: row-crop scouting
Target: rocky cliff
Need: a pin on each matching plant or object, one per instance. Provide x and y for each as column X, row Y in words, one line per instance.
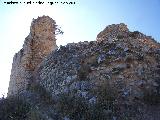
column 116, row 77
column 37, row 45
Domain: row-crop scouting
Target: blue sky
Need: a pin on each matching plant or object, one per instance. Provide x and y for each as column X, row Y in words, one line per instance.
column 80, row 22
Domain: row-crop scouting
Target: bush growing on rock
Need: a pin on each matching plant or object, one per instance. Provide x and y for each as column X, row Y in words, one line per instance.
column 134, row 34
column 120, row 36
column 42, row 92
column 13, row 108
column 77, row 108
column 83, row 71
column 150, row 97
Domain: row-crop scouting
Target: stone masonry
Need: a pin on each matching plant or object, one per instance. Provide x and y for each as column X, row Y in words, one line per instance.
column 37, row 45
column 115, row 77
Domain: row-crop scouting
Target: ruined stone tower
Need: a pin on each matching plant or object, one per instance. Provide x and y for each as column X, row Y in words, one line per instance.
column 37, row 45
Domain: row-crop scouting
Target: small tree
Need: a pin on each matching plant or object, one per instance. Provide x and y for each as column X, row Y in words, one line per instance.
column 58, row 30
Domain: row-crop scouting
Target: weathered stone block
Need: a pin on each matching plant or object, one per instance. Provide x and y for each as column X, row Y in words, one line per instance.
column 38, row 44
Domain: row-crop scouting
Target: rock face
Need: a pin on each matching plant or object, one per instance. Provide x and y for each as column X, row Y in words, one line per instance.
column 121, row 67
column 37, row 45
column 116, row 77
column 112, row 31
column 127, row 59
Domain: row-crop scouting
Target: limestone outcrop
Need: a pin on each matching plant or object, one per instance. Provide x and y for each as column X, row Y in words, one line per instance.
column 37, row 45
column 112, row 31
column 116, row 77
column 120, row 72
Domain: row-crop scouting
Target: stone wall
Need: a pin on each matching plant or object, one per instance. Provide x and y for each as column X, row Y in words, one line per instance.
column 118, row 72
column 112, row 31
column 125, row 62
column 37, row 45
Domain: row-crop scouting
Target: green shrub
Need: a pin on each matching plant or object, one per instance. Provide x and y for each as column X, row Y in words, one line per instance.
column 108, row 59
column 13, row 109
column 129, row 59
column 134, row 34
column 105, row 92
column 69, row 105
column 34, row 115
column 42, row 92
column 140, row 57
column 83, row 71
column 120, row 36
column 151, row 97
column 77, row 108
column 106, row 97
